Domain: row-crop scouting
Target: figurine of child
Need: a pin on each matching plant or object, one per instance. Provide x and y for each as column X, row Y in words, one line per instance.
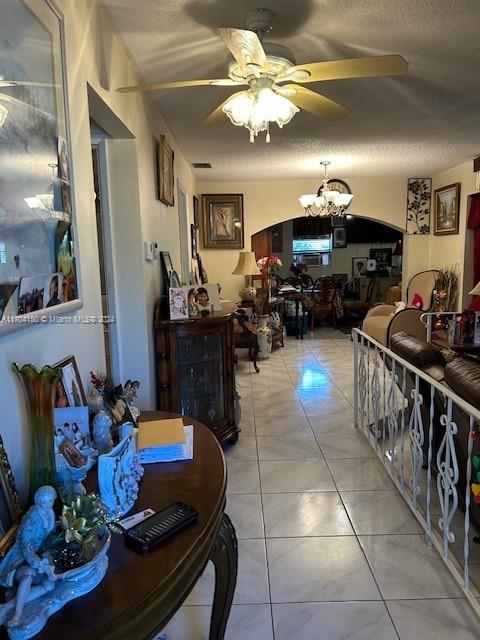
column 22, row 565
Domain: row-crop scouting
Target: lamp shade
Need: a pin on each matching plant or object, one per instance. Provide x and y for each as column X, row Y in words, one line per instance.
column 476, row 290
column 246, row 265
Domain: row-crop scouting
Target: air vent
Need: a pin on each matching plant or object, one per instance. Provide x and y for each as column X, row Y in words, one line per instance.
column 201, row 165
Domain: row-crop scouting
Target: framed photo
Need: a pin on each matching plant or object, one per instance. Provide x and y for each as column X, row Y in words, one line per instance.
column 70, row 424
column 359, row 267
column 382, row 256
column 339, row 237
column 196, row 214
column 178, row 303
column 222, row 221
column 70, row 392
column 166, row 178
column 10, row 506
column 446, row 218
column 193, row 240
column 419, row 197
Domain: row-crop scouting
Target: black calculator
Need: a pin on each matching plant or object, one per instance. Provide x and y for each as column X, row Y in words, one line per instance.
column 162, row 525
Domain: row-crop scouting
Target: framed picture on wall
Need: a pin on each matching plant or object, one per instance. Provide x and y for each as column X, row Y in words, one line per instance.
column 193, row 240
column 37, row 189
column 166, row 178
column 359, row 267
column 222, row 220
column 196, row 214
column 382, row 256
column 339, row 237
column 446, row 218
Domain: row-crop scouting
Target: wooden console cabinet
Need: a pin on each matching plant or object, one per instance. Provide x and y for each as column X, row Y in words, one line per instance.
column 195, row 374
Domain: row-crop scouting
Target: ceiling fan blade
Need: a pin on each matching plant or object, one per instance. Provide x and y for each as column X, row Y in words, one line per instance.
column 349, row 68
column 319, row 105
column 217, row 114
column 153, row 86
column 245, row 47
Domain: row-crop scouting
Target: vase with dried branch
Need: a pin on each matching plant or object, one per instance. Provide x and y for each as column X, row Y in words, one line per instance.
column 446, row 289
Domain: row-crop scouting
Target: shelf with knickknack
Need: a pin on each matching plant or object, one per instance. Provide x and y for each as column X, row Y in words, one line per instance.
column 195, row 369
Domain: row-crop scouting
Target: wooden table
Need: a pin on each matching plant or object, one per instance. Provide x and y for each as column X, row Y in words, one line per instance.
column 141, row 593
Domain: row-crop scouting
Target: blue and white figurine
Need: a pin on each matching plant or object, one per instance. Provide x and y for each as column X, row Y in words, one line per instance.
column 35, row 591
column 22, row 567
column 102, row 437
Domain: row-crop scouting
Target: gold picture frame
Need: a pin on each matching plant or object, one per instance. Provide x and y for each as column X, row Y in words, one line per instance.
column 222, row 221
column 10, row 505
column 447, row 211
column 166, row 176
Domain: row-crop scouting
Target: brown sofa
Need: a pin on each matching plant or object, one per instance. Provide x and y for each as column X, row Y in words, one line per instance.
column 381, row 322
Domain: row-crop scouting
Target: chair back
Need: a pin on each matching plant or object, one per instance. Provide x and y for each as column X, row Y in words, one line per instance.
column 293, row 281
column 325, row 288
column 423, row 284
column 306, row 280
column 371, row 290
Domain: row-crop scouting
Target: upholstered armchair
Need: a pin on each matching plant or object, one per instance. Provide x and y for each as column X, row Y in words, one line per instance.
column 382, row 321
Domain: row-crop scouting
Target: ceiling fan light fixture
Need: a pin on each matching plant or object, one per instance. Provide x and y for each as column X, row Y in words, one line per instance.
column 256, row 108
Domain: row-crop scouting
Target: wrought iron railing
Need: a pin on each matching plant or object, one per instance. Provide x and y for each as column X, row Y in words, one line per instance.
column 411, row 420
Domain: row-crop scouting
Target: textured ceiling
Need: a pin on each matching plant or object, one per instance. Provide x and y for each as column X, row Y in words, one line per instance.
column 414, row 125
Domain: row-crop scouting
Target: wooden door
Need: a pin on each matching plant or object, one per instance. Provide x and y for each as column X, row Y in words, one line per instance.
column 262, row 244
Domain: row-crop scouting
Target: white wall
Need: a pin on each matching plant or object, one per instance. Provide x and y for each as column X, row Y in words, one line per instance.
column 95, row 55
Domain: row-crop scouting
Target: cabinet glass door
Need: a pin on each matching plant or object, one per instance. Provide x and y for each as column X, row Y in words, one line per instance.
column 201, row 386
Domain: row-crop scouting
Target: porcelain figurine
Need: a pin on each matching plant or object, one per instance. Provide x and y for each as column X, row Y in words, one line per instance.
column 118, row 478
column 23, row 567
column 102, row 437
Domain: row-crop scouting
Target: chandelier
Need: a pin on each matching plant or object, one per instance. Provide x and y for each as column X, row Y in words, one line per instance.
column 327, row 201
column 257, row 107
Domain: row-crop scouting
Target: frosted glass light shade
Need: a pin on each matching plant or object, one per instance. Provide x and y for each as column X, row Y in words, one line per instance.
column 307, row 200
column 246, row 265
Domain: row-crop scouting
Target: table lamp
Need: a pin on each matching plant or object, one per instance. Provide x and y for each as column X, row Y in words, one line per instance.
column 246, row 266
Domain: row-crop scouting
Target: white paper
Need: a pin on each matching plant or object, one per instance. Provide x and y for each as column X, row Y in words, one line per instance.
column 170, row 453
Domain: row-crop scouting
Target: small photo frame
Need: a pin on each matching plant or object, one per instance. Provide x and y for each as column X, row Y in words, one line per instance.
column 371, row 265
column 206, row 295
column 359, row 267
column 166, row 178
column 70, row 392
column 222, row 221
column 71, row 424
column 339, row 237
column 178, row 303
column 446, row 218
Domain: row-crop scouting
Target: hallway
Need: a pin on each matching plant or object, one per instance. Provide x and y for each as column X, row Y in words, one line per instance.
column 327, row 548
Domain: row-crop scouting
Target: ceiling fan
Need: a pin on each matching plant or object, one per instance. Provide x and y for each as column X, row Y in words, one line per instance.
column 274, row 82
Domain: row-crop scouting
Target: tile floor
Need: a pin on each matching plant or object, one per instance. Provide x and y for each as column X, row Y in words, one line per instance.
column 327, row 548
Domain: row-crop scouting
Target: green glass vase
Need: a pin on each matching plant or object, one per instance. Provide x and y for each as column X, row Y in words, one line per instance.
column 39, row 388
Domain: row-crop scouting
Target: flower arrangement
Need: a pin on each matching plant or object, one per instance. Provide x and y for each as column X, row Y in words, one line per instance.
column 269, row 265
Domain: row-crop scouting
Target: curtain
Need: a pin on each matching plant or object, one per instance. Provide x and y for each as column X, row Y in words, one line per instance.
column 474, row 224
